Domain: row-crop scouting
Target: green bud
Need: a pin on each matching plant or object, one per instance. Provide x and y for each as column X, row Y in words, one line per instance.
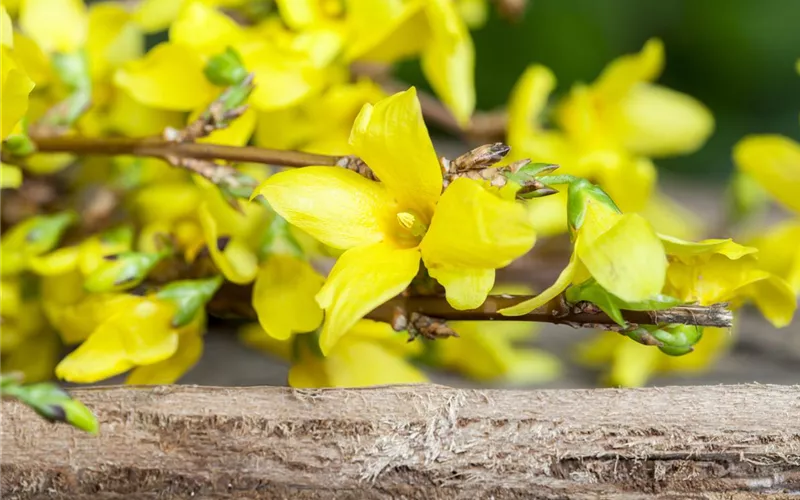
column 46, row 231
column 225, row 69
column 19, row 145
column 122, row 271
column 678, row 340
column 189, row 297
column 580, row 192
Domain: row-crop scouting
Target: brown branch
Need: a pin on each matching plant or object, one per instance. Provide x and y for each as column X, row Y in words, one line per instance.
column 237, row 299
column 412, row 441
column 160, row 148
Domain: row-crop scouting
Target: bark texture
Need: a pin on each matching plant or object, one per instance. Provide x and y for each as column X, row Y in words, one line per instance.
column 420, row 441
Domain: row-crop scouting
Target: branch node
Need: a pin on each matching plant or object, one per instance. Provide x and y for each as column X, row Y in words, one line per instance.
column 357, row 165
column 420, row 325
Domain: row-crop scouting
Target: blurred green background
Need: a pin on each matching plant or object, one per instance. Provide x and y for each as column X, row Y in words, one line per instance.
column 736, row 56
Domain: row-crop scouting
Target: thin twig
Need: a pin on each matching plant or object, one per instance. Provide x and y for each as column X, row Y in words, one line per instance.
column 397, row 311
column 160, row 148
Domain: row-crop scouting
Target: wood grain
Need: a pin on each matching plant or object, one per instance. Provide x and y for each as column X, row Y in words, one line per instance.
column 423, row 441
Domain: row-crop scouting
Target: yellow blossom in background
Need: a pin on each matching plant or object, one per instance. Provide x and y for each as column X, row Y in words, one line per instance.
column 777, row 251
column 55, row 25
column 386, row 227
column 630, row 364
column 15, row 82
column 774, row 162
column 387, row 31
column 370, row 354
column 713, row 271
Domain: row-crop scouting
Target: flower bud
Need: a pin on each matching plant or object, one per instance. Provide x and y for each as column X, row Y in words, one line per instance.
column 225, row 69
column 122, row 271
column 678, row 339
column 582, row 192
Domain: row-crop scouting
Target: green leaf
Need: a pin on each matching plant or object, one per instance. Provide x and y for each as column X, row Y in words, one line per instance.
column 125, row 271
column 51, row 402
column 612, row 305
column 46, row 231
column 537, row 169
column 189, row 297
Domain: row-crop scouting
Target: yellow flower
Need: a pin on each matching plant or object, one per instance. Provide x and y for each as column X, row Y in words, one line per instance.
column 283, row 296
column 387, row 31
column 55, row 25
column 462, row 235
column 777, row 251
column 16, row 84
column 774, row 162
column 168, row 371
column 112, row 39
column 620, row 251
column 624, row 108
column 10, row 176
column 630, row 364
column 135, row 332
column 371, row 354
column 170, row 76
column 713, row 271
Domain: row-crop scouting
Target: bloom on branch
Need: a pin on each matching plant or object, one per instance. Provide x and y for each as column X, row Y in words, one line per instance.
column 385, row 227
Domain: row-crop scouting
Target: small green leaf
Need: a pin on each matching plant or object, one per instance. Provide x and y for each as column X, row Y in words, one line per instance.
column 537, row 169
column 51, row 402
column 46, row 231
column 189, row 297
column 278, row 239
column 591, row 291
column 125, row 271
column 578, row 195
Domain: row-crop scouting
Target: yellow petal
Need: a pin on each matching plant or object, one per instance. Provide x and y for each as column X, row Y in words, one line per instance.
column 16, row 87
column 6, row 28
column 465, row 288
column 532, row 366
column 146, row 332
column 204, row 29
column 170, row 76
column 527, row 103
column 169, row 371
column 392, row 139
column 10, row 176
column 562, row 282
column 448, row 60
column 689, row 251
column 156, row 15
column 237, row 262
column 130, row 117
column 633, row 363
column 386, row 30
column 362, row 279
column 628, row 259
column 236, row 134
column 472, row 228
column 778, row 253
column 671, row 218
column 113, row 39
column 101, row 356
column 619, row 77
column 283, row 296
column 774, row 297
column 308, row 370
column 56, row 25
column 628, row 180
column 655, row 121
column 337, row 206
column 354, row 363
column 773, row 161
column 55, row 263
column 299, row 14
column 32, row 60
column 384, row 334
column 548, row 215
column 167, row 202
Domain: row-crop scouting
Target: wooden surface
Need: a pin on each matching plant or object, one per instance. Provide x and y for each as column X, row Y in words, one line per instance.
column 423, row 441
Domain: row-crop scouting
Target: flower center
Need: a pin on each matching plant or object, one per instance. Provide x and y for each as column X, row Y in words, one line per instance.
column 412, row 227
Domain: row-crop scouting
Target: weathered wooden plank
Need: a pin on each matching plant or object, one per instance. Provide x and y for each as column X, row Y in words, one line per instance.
column 420, row 441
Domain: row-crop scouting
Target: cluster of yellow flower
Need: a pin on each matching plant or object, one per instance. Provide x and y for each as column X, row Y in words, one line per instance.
column 132, row 296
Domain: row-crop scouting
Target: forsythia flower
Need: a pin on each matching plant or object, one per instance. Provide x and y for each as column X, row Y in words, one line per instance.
column 387, row 31
column 462, row 235
column 370, row 354
column 135, row 332
column 713, row 271
column 607, row 130
column 620, row 251
column 15, row 83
